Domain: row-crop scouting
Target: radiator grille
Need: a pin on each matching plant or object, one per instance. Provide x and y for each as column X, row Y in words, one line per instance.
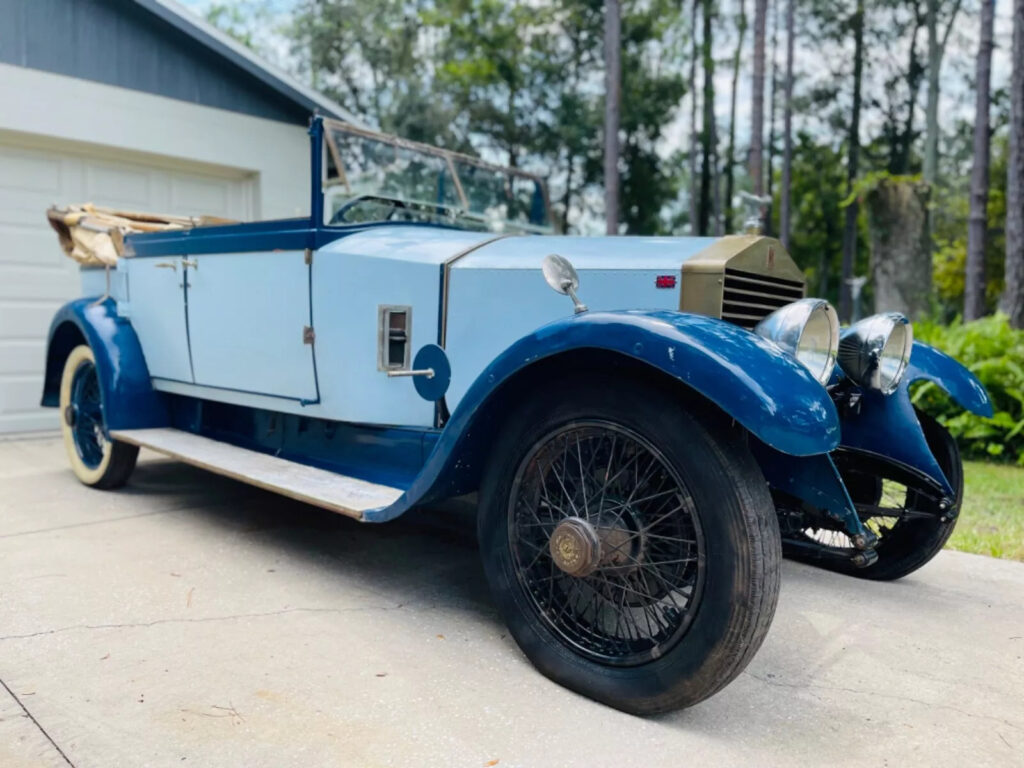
column 748, row 297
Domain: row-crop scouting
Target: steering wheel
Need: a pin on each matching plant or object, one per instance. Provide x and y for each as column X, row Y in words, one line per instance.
column 340, row 217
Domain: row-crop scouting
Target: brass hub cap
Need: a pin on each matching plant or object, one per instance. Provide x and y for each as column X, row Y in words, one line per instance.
column 575, row 547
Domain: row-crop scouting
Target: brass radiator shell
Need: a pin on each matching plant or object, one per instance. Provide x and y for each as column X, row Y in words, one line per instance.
column 740, row 278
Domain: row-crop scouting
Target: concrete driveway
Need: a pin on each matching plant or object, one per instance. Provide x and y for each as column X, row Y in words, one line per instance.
column 191, row 620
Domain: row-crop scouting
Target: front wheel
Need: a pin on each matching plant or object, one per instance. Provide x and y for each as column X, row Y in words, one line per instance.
column 634, row 555
column 95, row 459
column 911, row 524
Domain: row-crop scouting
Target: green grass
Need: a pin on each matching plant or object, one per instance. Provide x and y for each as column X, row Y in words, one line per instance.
column 992, row 518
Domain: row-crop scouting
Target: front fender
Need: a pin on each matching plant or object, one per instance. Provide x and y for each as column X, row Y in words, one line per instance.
column 754, row 381
column 887, row 425
column 930, row 364
column 129, row 400
column 749, row 378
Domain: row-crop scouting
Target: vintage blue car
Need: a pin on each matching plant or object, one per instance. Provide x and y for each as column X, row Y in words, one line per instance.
column 642, row 460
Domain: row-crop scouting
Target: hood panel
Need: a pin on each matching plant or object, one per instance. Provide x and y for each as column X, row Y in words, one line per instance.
column 666, row 254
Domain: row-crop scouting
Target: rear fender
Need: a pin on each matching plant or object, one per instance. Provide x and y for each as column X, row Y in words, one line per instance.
column 750, row 379
column 129, row 400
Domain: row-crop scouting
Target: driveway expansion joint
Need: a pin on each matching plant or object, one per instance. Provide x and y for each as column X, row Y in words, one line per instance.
column 36, row 723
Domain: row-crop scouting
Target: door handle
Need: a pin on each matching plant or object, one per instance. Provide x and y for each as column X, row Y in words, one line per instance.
column 428, row 372
column 166, row 265
column 190, row 263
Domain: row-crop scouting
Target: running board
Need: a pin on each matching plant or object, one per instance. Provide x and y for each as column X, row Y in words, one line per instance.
column 338, row 493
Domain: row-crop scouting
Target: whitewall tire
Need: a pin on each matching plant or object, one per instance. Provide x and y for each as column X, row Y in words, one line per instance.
column 95, row 459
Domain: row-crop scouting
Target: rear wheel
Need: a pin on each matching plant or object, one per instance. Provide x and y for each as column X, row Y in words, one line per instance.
column 95, row 459
column 634, row 556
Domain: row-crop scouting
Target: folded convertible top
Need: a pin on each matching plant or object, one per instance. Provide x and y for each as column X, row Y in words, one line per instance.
column 94, row 236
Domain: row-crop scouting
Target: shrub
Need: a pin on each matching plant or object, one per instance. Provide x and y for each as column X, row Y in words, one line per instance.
column 994, row 352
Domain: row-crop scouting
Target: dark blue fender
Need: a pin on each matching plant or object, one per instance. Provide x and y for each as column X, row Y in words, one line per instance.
column 752, row 380
column 129, row 400
column 888, row 426
column 959, row 383
column 814, row 479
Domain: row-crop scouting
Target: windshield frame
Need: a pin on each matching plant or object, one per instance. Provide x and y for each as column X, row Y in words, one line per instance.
column 451, row 160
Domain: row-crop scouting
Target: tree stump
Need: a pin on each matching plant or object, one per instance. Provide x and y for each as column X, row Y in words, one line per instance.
column 901, row 260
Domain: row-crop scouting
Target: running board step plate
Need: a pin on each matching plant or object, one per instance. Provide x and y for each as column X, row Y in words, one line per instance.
column 338, row 493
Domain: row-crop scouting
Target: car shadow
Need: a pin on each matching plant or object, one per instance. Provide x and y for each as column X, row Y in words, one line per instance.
column 428, row 556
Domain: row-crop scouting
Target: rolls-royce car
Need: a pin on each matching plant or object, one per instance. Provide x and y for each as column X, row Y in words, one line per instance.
column 647, row 423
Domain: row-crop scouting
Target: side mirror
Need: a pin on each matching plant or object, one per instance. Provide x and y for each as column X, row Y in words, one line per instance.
column 561, row 275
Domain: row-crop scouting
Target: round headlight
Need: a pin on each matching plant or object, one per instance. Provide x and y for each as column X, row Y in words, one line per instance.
column 875, row 351
column 807, row 329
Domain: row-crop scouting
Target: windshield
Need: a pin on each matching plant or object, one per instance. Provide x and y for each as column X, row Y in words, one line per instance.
column 373, row 177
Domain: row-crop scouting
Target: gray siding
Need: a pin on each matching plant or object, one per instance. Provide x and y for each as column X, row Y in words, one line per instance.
column 117, row 42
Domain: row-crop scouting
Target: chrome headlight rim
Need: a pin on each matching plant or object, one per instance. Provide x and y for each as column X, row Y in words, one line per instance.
column 875, row 352
column 788, row 328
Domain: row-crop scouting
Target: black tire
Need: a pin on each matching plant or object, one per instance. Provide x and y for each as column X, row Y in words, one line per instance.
column 96, row 460
column 911, row 543
column 736, row 597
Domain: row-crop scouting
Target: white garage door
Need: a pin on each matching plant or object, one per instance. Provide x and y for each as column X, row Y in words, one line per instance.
column 36, row 278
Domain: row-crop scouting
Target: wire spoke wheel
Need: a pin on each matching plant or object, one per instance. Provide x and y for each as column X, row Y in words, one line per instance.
column 96, row 459
column 87, row 415
column 885, row 506
column 606, row 542
column 633, row 550
column 911, row 518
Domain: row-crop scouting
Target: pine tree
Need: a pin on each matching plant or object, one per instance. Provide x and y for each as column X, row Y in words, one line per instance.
column 1013, row 297
column 977, row 218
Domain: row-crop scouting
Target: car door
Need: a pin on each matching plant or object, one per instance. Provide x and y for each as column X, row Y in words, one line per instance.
column 249, row 323
column 156, row 308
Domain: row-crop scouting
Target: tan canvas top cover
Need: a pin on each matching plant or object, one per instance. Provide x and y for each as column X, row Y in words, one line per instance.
column 94, row 236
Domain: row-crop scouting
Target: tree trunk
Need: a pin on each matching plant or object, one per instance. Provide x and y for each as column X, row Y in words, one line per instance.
column 852, row 162
column 1013, row 297
column 977, row 218
column 693, row 117
column 755, row 159
column 730, row 157
column 936, row 53
column 931, row 135
column 613, row 93
column 787, row 131
column 901, row 271
column 716, row 195
column 707, row 136
column 567, row 197
column 772, row 102
column 831, row 235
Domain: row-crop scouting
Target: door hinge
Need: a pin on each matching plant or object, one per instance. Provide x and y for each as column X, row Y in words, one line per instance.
column 308, row 334
column 307, row 258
